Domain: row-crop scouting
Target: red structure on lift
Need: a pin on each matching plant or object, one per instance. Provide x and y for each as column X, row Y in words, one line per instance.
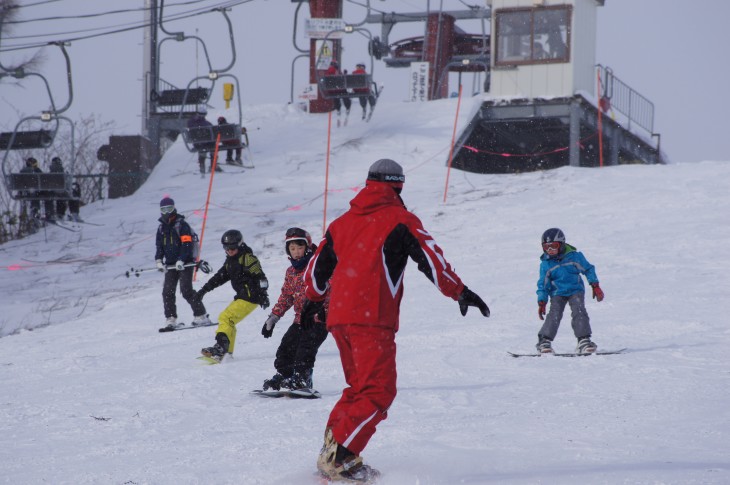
column 323, row 9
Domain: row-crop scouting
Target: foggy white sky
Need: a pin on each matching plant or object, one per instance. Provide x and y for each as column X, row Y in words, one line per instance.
column 670, row 51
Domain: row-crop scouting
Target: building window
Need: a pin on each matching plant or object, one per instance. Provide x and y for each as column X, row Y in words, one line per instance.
column 533, row 35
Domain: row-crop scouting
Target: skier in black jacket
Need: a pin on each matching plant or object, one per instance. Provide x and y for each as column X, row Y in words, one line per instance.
column 175, row 246
column 248, row 280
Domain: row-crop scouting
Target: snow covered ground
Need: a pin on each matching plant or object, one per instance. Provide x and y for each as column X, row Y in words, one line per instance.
column 91, row 393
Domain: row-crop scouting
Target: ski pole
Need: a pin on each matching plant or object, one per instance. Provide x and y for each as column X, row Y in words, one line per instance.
column 203, row 265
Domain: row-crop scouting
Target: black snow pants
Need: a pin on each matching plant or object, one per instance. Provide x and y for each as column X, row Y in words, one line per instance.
column 186, row 288
column 298, row 349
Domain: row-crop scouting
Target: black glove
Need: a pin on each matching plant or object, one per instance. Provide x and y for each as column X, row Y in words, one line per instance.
column 310, row 310
column 265, row 302
column 200, row 294
column 268, row 329
column 469, row 298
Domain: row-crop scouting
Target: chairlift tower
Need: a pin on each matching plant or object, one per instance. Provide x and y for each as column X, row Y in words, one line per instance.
column 320, row 11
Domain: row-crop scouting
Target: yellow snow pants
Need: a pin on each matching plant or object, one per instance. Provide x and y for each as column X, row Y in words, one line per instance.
column 234, row 313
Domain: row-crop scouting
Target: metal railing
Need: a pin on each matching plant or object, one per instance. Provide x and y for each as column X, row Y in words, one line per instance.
column 625, row 100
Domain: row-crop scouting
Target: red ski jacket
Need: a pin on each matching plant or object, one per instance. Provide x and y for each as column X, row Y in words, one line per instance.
column 363, row 258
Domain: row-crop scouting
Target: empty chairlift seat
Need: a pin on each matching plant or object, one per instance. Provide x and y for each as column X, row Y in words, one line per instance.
column 179, row 97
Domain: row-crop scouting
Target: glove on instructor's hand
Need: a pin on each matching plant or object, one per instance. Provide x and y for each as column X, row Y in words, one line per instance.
column 309, row 311
column 160, row 267
column 597, row 292
column 541, row 309
column 179, row 266
column 268, row 329
column 469, row 298
column 200, row 294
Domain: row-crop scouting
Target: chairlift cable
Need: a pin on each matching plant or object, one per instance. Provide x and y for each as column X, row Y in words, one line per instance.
column 118, row 28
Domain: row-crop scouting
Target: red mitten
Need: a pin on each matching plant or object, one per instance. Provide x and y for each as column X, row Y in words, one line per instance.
column 541, row 309
column 597, row 292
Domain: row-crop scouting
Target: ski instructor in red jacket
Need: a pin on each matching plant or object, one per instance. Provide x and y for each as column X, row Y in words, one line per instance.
column 363, row 258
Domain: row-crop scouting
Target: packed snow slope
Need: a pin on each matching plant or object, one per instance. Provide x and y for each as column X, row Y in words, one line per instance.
column 91, row 393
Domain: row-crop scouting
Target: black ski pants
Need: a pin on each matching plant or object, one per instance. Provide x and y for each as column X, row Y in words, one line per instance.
column 185, row 277
column 338, row 104
column 298, row 349
column 364, row 100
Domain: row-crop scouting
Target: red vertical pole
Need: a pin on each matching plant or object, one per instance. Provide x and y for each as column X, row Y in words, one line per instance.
column 439, row 46
column 207, row 200
column 322, row 9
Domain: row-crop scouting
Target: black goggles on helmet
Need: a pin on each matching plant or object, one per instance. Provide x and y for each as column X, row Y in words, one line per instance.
column 387, row 177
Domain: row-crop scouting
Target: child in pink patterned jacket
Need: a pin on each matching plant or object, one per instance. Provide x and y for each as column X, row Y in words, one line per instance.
column 297, row 352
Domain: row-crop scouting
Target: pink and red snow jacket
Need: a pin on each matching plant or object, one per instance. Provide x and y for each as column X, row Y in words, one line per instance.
column 363, row 258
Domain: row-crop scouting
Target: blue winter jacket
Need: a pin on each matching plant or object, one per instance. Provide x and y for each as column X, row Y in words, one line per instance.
column 169, row 243
column 560, row 275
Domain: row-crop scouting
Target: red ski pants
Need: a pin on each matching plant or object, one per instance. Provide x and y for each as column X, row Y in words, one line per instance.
column 368, row 360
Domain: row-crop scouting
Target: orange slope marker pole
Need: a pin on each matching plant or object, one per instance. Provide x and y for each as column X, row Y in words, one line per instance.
column 453, row 141
column 207, row 200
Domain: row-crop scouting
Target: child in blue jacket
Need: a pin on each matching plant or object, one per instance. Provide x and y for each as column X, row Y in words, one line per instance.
column 561, row 267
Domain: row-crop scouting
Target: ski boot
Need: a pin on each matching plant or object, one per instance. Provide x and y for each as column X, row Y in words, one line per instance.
column 219, row 350
column 201, row 321
column 585, row 346
column 299, row 380
column 171, row 324
column 337, row 463
column 274, row 383
column 544, row 346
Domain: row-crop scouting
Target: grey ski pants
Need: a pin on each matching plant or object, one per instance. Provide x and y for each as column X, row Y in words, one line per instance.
column 579, row 316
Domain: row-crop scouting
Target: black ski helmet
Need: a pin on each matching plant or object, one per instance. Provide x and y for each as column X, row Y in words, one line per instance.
column 553, row 235
column 232, row 239
column 296, row 234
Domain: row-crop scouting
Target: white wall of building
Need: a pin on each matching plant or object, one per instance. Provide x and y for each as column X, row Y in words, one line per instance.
column 556, row 79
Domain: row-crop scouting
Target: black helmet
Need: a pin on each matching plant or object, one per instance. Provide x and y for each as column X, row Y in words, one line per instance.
column 553, row 235
column 549, row 238
column 232, row 239
column 296, row 234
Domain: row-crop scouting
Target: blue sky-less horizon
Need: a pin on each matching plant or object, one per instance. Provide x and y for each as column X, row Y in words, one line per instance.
column 670, row 52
